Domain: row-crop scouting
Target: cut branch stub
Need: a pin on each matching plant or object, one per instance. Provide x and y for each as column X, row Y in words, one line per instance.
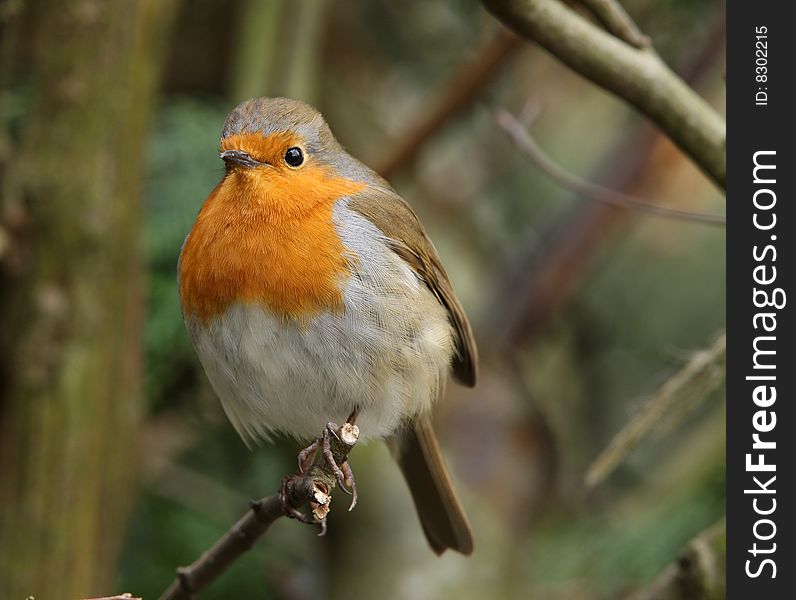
column 315, row 486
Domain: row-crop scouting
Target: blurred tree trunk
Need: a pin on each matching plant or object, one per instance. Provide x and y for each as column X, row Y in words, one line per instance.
column 70, row 289
column 278, row 52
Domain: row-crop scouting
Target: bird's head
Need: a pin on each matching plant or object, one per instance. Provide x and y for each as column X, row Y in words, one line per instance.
column 280, row 153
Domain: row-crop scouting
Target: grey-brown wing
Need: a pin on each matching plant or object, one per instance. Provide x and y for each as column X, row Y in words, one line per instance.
column 396, row 219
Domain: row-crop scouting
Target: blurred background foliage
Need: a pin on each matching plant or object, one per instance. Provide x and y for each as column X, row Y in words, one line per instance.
column 626, row 299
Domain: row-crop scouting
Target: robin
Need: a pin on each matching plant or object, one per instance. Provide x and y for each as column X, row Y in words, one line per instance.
column 312, row 293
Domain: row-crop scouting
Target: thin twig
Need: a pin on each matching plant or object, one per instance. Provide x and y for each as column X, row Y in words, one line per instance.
column 636, row 75
column 313, row 487
column 678, row 396
column 456, row 94
column 616, row 20
column 518, row 133
column 699, row 573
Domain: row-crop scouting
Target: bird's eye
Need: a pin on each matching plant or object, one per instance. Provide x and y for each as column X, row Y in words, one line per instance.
column 294, row 157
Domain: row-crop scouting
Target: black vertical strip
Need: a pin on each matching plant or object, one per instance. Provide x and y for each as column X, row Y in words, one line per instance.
column 761, row 267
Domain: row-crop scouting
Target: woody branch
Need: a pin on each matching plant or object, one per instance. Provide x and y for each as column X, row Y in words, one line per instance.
column 312, row 488
column 618, row 59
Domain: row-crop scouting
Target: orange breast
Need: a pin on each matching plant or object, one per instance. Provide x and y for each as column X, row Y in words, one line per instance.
column 268, row 240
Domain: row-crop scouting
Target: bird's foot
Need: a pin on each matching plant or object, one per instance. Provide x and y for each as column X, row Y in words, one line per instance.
column 291, row 511
column 307, row 456
column 343, row 472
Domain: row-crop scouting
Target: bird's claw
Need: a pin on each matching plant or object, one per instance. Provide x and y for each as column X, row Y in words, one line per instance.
column 343, row 473
column 350, row 484
column 306, row 456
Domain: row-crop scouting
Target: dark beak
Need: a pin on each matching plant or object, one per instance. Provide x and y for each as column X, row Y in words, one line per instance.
column 240, row 158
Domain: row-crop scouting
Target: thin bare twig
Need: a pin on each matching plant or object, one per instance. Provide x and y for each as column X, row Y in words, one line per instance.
column 637, row 75
column 313, row 487
column 615, row 19
column 678, row 396
column 518, row 133
column 699, row 573
column 456, row 94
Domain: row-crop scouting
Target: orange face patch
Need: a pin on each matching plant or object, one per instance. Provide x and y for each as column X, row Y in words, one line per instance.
column 265, row 235
column 269, row 149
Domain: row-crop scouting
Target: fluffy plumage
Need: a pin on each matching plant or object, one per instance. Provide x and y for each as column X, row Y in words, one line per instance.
column 385, row 351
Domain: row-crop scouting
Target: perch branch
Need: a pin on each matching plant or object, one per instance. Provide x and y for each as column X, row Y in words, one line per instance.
column 459, row 92
column 312, row 487
column 518, row 133
column 678, row 396
column 636, row 75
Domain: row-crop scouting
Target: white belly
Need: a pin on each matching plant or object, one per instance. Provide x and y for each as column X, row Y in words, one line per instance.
column 388, row 353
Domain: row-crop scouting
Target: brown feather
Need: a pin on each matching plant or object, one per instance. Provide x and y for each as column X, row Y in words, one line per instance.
column 396, row 219
column 441, row 515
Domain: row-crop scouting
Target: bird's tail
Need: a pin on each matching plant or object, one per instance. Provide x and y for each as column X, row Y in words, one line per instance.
column 441, row 515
